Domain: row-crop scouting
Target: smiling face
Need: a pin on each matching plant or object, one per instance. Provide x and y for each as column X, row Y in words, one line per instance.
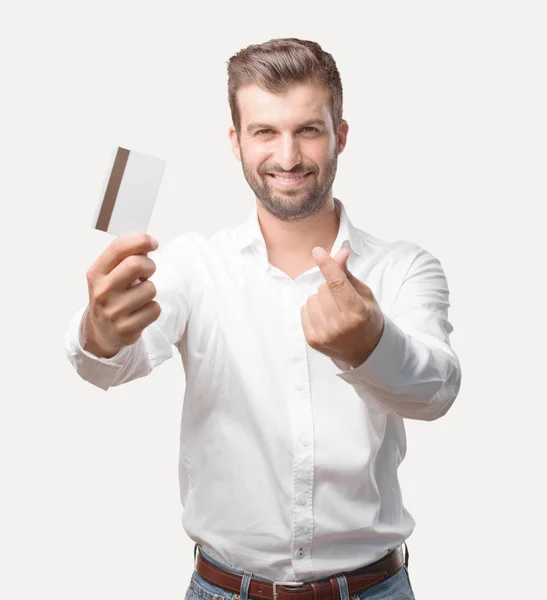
column 288, row 148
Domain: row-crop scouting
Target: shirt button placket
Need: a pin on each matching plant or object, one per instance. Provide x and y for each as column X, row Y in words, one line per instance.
column 302, row 427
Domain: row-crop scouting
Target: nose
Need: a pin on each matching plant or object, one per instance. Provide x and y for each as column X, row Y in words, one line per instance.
column 288, row 152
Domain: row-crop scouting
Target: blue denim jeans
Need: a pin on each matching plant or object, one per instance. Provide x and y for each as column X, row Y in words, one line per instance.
column 396, row 587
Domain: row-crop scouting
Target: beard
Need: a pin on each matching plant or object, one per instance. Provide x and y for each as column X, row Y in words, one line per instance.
column 292, row 205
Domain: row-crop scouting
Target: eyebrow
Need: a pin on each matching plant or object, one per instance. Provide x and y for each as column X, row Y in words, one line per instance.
column 307, row 123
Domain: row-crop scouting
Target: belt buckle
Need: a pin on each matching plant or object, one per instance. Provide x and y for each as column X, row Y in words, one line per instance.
column 284, row 583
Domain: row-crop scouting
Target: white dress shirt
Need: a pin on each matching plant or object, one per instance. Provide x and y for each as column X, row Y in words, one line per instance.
column 288, row 459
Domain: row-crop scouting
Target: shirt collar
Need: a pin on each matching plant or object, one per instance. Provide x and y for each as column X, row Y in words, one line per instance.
column 251, row 234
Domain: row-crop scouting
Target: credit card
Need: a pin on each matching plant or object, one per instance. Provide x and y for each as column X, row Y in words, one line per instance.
column 129, row 192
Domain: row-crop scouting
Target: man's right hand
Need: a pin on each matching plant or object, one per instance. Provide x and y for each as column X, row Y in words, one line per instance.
column 118, row 309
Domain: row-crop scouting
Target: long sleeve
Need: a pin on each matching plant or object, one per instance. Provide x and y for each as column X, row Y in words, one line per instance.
column 413, row 371
column 176, row 279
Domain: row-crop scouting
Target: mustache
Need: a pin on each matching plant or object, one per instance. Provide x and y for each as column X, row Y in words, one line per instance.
column 293, row 171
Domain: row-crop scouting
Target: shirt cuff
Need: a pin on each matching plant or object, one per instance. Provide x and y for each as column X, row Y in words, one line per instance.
column 117, row 360
column 102, row 372
column 381, row 368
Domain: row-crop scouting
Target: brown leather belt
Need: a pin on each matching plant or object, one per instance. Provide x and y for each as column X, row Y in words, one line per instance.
column 322, row 589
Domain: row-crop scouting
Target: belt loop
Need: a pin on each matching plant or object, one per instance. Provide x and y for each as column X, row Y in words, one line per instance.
column 316, row 591
column 335, row 588
column 245, row 583
column 195, row 550
column 407, row 555
column 343, row 587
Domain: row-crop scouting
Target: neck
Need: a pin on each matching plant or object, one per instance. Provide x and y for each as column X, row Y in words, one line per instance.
column 299, row 238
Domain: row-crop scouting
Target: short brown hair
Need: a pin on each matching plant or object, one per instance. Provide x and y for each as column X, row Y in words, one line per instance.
column 277, row 65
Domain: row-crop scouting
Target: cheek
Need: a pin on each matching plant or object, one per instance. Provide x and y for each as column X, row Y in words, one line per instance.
column 322, row 153
column 260, row 158
column 253, row 157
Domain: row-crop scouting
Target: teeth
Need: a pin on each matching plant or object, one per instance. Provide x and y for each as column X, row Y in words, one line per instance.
column 289, row 179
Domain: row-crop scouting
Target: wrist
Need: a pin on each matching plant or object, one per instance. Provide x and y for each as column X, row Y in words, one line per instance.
column 91, row 341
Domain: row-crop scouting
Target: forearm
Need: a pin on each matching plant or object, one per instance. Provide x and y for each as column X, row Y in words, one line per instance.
column 176, row 279
column 413, row 371
column 414, row 376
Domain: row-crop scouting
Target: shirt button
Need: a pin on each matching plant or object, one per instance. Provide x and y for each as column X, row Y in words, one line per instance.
column 305, row 442
column 299, row 386
column 302, row 500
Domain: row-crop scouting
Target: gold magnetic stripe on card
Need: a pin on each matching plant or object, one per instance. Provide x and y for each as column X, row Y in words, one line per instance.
column 112, row 189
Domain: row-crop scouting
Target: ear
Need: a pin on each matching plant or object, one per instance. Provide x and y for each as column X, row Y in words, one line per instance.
column 342, row 135
column 232, row 134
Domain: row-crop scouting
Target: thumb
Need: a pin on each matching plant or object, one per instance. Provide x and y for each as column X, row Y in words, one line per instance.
column 341, row 258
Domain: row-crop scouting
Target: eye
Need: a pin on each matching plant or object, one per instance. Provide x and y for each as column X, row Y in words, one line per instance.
column 310, row 129
column 263, row 131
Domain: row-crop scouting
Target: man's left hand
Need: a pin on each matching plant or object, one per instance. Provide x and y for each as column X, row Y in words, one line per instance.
column 343, row 320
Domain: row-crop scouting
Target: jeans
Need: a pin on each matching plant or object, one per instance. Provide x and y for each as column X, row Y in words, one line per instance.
column 396, row 587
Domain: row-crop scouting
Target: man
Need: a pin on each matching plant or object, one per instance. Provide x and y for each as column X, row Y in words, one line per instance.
column 300, row 366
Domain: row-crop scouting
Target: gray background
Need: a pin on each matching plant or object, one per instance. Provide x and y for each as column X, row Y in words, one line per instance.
column 447, row 147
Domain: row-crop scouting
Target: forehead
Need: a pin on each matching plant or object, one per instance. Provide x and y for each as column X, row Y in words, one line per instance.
column 299, row 103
